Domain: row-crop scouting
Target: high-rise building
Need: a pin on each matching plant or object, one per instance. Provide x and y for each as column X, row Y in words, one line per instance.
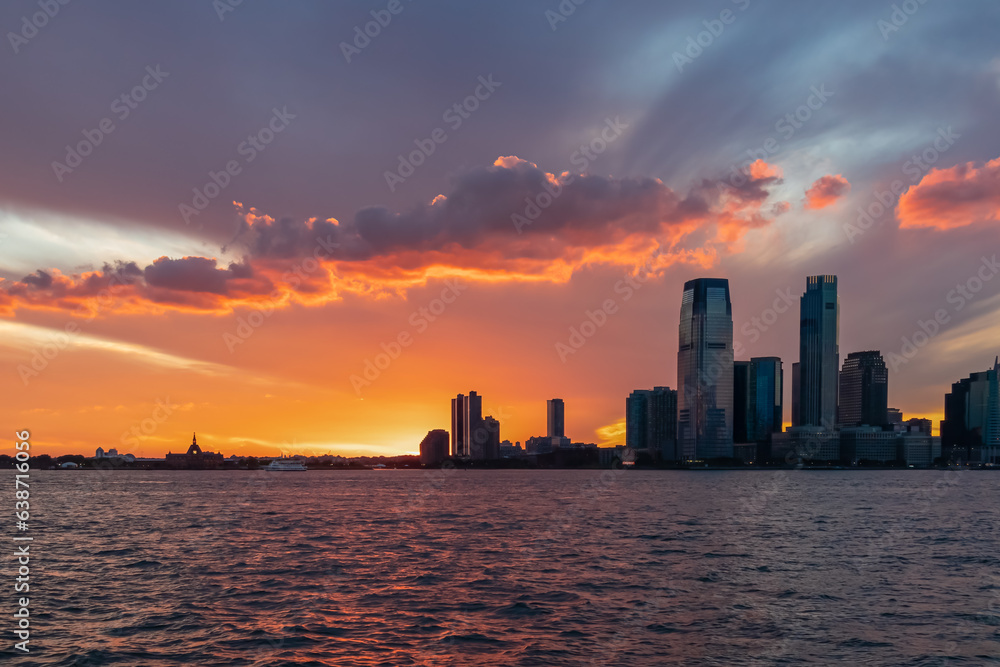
column 864, row 390
column 491, row 448
column 819, row 352
column 651, row 421
column 475, row 434
column 705, row 371
column 991, row 441
column 742, row 398
column 459, row 445
column 767, row 407
column 796, row 393
column 970, row 430
column 468, row 435
column 758, row 403
column 434, row 447
column 556, row 418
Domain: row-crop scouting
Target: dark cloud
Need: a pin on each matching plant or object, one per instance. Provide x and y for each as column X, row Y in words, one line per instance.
column 190, row 274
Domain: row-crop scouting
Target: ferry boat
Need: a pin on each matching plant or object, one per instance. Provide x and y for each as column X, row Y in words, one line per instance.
column 286, row 464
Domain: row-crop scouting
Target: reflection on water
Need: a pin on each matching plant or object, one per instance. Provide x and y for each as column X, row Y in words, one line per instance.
column 514, row 568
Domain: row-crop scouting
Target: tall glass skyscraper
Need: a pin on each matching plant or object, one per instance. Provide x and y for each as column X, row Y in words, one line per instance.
column 819, row 352
column 705, row 371
column 768, row 405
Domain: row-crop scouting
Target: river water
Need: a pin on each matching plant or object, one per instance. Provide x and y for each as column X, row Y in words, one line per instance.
column 512, row 567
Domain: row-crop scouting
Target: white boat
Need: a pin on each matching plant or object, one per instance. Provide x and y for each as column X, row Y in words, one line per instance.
column 286, row 464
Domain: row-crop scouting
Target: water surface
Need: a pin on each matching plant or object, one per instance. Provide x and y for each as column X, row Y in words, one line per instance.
column 519, row 567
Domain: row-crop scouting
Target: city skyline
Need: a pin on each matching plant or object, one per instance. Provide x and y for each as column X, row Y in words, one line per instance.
column 318, row 261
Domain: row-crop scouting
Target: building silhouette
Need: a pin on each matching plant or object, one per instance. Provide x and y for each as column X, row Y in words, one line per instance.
column 434, row 447
column 195, row 458
column 651, row 422
column 970, row 430
column 741, row 401
column 491, row 447
column 819, row 353
column 472, row 435
column 758, row 404
column 556, row 418
column 705, row 371
column 864, row 390
column 459, row 445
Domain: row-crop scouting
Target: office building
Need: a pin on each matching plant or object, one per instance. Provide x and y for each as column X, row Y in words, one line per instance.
column 705, row 371
column 864, row 390
column 869, row 445
column 917, row 425
column 796, row 393
column 434, row 447
column 651, row 422
column 491, row 447
column 970, row 431
column 742, row 398
column 919, row 449
column 469, row 436
column 819, row 352
column 459, row 445
column 758, row 401
column 556, row 418
column 767, row 378
column 806, row 444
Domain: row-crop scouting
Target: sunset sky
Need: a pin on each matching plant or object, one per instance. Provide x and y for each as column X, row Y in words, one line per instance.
column 215, row 217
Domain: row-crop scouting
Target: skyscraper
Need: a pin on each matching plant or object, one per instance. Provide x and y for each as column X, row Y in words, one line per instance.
column 742, row 398
column 491, row 448
column 468, row 435
column 556, row 419
column 705, row 370
column 970, row 430
column 991, row 441
column 796, row 393
column 864, row 390
column 819, row 352
column 651, row 421
column 758, row 402
column 459, row 445
column 476, row 436
column 767, row 407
